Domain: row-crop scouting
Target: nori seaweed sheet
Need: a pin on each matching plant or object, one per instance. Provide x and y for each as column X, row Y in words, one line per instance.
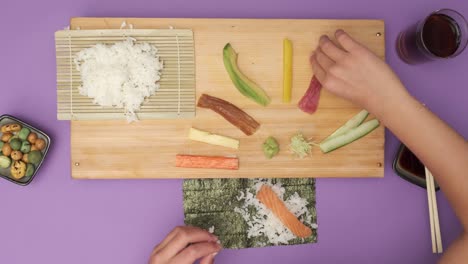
column 211, row 202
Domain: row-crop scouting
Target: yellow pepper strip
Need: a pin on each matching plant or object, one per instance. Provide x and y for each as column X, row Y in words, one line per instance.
column 287, row 70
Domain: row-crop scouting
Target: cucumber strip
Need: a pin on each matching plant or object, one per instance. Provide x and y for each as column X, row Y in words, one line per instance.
column 245, row 86
column 350, row 136
column 355, row 121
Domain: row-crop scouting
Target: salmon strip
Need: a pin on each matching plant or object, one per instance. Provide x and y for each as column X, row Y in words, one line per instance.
column 230, row 112
column 269, row 198
column 207, row 162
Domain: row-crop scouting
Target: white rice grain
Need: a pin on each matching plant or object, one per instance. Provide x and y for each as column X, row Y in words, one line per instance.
column 120, row 75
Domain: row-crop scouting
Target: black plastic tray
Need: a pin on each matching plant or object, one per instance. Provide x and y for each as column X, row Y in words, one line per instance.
column 5, row 173
column 407, row 175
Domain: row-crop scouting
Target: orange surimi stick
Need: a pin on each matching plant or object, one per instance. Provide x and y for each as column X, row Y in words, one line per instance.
column 208, row 162
column 269, row 198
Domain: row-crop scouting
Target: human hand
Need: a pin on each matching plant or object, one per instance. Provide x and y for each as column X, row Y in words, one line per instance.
column 185, row 245
column 355, row 73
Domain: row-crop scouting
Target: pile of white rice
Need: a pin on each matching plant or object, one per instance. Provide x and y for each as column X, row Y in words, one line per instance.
column 263, row 222
column 120, row 75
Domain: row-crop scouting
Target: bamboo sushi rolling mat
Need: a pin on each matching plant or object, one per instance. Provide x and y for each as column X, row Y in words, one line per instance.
column 174, row 99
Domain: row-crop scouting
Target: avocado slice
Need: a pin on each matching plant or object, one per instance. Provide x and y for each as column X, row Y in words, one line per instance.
column 247, row 87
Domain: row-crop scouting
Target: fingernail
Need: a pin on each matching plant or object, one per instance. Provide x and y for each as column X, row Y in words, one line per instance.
column 214, row 254
column 323, row 39
column 339, row 32
column 219, row 244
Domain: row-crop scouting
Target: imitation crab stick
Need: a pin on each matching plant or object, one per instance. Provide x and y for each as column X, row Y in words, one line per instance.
column 207, row 162
column 269, row 198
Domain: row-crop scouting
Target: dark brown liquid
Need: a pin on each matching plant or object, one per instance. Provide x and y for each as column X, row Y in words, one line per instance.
column 441, row 35
column 410, row 163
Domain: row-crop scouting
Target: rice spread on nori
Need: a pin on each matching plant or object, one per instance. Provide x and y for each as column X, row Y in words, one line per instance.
column 230, row 208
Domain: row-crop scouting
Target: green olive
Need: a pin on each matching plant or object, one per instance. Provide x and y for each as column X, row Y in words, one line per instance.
column 25, row 147
column 29, row 170
column 35, row 157
column 15, row 144
column 5, row 162
column 24, row 133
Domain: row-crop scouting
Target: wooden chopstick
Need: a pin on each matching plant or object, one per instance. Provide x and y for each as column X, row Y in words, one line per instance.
column 436, row 216
column 433, row 214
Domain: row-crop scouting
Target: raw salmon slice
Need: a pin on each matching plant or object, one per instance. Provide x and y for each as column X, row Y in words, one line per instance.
column 269, row 198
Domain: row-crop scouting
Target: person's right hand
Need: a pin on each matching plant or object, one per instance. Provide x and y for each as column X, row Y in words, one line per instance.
column 355, row 73
column 185, row 245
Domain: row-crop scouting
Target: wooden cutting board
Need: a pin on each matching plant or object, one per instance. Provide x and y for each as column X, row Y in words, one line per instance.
column 147, row 149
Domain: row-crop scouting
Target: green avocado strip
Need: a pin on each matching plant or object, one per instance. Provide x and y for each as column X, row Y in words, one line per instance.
column 245, row 86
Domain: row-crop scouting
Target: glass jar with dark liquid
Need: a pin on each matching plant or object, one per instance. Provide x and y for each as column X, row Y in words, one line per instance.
column 443, row 34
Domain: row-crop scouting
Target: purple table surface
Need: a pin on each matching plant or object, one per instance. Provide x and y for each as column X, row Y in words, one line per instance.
column 60, row 220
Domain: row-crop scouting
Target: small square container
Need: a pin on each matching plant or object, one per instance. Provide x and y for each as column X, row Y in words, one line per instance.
column 408, row 167
column 5, row 172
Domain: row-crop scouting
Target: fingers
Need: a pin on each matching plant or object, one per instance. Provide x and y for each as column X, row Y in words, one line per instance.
column 330, row 49
column 319, row 72
column 208, row 259
column 166, row 240
column 185, row 236
column 197, row 251
column 324, row 61
column 346, row 41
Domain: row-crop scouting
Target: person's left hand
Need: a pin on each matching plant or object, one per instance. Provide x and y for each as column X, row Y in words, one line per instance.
column 185, row 245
